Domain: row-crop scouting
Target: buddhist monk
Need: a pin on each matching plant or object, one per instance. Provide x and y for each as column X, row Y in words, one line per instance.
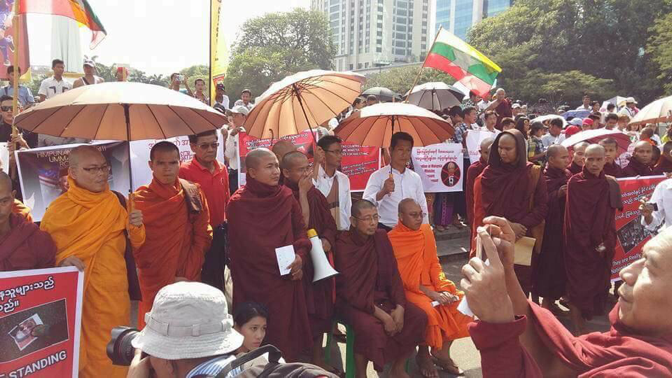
column 19, row 207
column 316, row 214
column 22, row 244
column 280, row 149
column 640, row 162
column 549, row 271
column 427, row 287
column 536, row 344
column 514, row 188
column 578, row 158
column 590, row 237
column 177, row 224
column 665, row 165
column 370, row 296
column 611, row 168
column 89, row 225
column 474, row 171
column 263, row 216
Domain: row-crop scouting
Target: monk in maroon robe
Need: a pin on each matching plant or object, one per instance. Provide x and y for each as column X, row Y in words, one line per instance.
column 549, row 271
column 518, row 339
column 665, row 165
column 370, row 296
column 578, row 157
column 316, row 214
column 23, row 245
column 590, row 237
column 474, row 171
column 514, row 188
column 264, row 216
column 640, row 162
column 611, row 168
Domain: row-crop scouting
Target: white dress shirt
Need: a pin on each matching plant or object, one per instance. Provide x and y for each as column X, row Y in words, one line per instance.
column 549, row 140
column 231, row 150
column 406, row 185
column 324, row 184
column 662, row 196
column 51, row 87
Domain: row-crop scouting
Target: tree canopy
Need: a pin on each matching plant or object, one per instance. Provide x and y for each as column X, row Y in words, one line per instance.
column 401, row 79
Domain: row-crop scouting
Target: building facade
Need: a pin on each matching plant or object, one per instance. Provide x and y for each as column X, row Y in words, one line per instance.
column 457, row 16
column 377, row 33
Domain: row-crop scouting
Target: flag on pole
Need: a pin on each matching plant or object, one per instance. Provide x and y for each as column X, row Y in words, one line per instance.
column 467, row 65
column 219, row 57
column 78, row 10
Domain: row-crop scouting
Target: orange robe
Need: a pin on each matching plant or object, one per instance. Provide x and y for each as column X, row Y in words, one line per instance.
column 19, row 208
column 176, row 240
column 90, row 226
column 418, row 264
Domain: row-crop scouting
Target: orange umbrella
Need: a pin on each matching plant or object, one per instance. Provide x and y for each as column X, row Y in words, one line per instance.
column 374, row 125
column 301, row 102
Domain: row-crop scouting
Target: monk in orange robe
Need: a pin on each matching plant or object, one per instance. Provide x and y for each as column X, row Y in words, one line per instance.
column 178, row 228
column 88, row 224
column 427, row 287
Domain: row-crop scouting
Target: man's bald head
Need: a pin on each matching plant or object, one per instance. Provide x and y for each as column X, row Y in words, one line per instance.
column 254, row 157
column 89, row 168
column 554, row 150
column 361, row 205
column 581, row 145
column 486, row 143
column 410, row 214
column 262, row 166
column 283, row 147
column 6, row 197
column 595, row 149
column 643, row 152
column 82, row 154
column 291, row 159
column 5, row 183
column 595, row 159
column 295, row 166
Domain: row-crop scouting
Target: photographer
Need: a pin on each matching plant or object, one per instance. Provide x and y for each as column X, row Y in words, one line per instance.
column 657, row 211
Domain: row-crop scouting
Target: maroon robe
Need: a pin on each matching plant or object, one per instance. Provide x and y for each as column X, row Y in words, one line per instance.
column 664, row 167
column 621, row 352
column 589, row 221
column 574, row 168
column 613, row 169
column 262, row 218
column 549, row 275
column 319, row 295
column 506, row 191
column 473, row 171
column 25, row 246
column 635, row 168
column 369, row 277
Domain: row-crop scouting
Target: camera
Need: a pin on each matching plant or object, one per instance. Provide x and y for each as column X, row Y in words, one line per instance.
column 180, row 78
column 119, row 349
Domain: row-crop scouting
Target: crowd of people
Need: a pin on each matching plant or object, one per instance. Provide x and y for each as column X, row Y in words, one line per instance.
column 193, row 222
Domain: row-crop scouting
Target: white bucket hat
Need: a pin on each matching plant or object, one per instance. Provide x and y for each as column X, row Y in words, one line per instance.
column 188, row 320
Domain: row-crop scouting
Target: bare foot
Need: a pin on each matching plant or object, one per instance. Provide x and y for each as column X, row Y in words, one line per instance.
column 426, row 365
column 448, row 365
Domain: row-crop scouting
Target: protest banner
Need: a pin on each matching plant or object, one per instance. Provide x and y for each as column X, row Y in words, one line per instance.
column 142, row 174
column 630, row 233
column 358, row 163
column 440, row 167
column 474, row 139
column 40, row 321
column 43, row 172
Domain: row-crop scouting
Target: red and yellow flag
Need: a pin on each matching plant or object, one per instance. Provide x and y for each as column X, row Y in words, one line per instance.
column 78, row 10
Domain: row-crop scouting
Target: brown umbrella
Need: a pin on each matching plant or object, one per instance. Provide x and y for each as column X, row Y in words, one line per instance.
column 301, row 102
column 374, row 125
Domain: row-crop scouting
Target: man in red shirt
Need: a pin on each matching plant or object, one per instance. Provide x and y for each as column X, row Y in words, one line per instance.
column 213, row 177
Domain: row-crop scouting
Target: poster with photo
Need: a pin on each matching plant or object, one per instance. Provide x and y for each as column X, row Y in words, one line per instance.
column 440, row 167
column 40, row 320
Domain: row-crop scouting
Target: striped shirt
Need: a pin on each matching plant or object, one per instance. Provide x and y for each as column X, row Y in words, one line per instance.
column 214, row 366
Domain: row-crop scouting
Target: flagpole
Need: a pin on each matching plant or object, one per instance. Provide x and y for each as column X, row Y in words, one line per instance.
column 417, row 77
column 15, row 98
column 210, row 83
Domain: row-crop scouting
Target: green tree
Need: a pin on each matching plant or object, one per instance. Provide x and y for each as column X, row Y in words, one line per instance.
column 660, row 50
column 401, row 79
column 590, row 40
column 276, row 45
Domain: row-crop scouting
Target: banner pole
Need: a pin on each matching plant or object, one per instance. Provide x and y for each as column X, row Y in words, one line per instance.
column 417, row 77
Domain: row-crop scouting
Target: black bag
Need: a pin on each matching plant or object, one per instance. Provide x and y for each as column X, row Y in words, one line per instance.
column 273, row 369
column 131, row 272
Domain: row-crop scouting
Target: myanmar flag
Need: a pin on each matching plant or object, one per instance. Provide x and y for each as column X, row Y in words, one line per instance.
column 78, row 10
column 463, row 62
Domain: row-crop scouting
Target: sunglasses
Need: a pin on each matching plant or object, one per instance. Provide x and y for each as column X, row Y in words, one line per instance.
column 205, row 146
column 6, row 108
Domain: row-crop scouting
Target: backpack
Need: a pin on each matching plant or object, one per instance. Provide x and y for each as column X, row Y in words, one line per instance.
column 273, row 368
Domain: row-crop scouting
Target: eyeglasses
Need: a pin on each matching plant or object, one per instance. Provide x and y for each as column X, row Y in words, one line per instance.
column 370, row 219
column 6, row 108
column 335, row 152
column 96, row 170
column 205, row 146
column 417, row 215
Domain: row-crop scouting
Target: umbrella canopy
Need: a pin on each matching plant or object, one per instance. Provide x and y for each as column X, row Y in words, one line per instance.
column 546, row 117
column 576, row 114
column 374, row 125
column 595, row 136
column 120, row 111
column 383, row 94
column 435, row 96
column 657, row 111
column 302, row 101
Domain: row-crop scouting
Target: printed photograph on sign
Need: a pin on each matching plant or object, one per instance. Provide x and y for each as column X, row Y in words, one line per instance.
column 27, row 331
column 450, row 174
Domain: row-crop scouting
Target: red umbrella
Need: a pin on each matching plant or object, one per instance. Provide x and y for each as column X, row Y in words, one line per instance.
column 595, row 136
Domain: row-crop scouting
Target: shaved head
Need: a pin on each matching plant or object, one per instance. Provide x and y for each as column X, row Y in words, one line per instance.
column 595, row 159
column 595, row 149
column 5, row 182
column 582, row 145
column 486, row 143
column 82, row 154
column 292, row 159
column 410, row 214
column 254, row 157
column 643, row 144
column 643, row 152
column 283, row 147
column 554, row 150
column 262, row 166
column 361, row 205
column 406, row 204
column 6, row 198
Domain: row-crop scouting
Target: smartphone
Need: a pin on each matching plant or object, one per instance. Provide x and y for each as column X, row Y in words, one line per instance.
column 654, row 205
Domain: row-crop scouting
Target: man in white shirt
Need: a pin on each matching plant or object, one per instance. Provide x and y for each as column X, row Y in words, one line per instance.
column 391, row 184
column 630, row 108
column 89, row 77
column 657, row 211
column 246, row 97
column 586, row 104
column 555, row 135
column 236, row 121
column 54, row 85
column 334, row 185
column 220, row 96
column 490, row 119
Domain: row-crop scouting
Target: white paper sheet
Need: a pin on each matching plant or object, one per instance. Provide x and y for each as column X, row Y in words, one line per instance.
column 286, row 256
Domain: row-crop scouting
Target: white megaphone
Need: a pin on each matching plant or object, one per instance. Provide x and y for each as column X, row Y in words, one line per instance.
column 320, row 262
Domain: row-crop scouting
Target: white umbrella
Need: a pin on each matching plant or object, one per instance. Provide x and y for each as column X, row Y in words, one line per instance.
column 595, row 136
column 657, row 111
column 546, row 117
column 435, row 96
